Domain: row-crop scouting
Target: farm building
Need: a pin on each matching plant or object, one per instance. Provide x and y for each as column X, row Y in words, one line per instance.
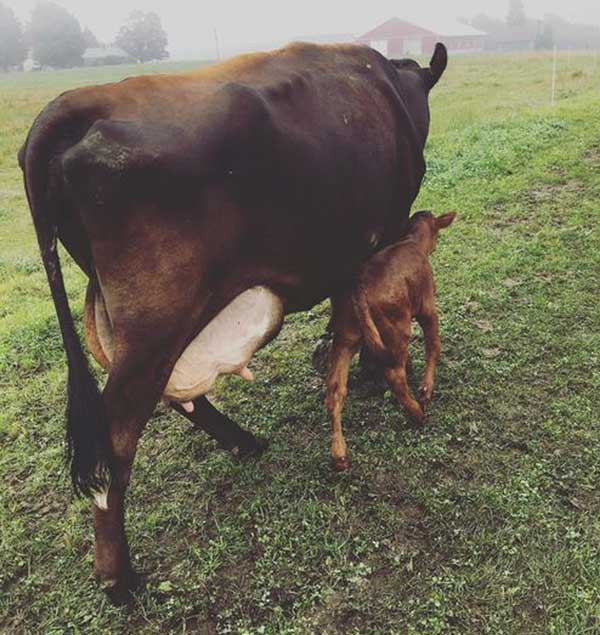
column 397, row 37
column 510, row 39
column 101, row 55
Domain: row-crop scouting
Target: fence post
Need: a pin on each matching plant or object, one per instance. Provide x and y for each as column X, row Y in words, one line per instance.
column 552, row 97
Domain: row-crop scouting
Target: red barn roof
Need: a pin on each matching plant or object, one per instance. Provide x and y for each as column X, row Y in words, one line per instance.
column 395, row 27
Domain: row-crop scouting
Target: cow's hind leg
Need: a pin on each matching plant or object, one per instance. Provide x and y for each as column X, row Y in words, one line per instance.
column 222, row 429
column 130, row 396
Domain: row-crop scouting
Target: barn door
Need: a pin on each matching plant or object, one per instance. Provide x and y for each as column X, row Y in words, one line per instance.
column 380, row 45
column 413, row 46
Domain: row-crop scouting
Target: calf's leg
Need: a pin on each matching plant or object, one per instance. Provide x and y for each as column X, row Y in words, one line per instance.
column 398, row 336
column 346, row 341
column 396, row 378
column 430, row 325
column 221, row 428
column 342, row 353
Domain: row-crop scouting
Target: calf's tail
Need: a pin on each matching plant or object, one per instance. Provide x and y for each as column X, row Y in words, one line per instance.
column 87, row 437
column 369, row 330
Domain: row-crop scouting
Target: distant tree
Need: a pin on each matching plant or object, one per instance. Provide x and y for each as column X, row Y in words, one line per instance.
column 143, row 37
column 567, row 34
column 91, row 41
column 56, row 36
column 516, row 14
column 12, row 40
column 486, row 24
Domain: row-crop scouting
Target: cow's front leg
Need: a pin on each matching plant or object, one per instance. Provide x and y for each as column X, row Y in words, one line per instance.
column 221, row 428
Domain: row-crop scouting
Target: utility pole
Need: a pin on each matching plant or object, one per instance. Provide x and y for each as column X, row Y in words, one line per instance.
column 217, row 45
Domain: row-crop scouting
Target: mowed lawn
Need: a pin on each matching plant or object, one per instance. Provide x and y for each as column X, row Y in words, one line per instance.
column 488, row 521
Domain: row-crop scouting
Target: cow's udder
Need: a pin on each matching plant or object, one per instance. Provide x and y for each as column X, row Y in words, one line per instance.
column 224, row 346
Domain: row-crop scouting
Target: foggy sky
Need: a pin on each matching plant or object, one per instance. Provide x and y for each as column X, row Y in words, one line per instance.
column 190, row 24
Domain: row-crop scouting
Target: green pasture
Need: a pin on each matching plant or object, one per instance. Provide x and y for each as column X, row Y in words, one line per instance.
column 487, row 522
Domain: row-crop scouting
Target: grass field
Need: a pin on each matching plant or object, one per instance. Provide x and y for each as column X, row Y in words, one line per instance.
column 487, row 522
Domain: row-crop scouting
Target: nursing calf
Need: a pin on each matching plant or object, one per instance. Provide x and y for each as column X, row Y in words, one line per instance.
column 394, row 286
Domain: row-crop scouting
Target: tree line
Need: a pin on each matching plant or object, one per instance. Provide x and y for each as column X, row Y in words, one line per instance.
column 55, row 38
column 546, row 33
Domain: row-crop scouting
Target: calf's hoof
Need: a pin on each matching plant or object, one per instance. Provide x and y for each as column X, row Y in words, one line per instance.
column 417, row 419
column 252, row 447
column 340, row 463
column 424, row 397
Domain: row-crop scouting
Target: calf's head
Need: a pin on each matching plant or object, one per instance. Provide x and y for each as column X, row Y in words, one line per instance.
column 424, row 227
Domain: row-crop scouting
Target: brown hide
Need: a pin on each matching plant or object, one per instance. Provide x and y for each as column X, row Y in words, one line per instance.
column 175, row 193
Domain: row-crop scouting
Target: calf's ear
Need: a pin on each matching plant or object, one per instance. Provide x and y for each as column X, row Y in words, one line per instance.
column 444, row 220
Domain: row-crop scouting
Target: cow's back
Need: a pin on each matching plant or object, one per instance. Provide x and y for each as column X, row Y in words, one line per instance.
column 291, row 161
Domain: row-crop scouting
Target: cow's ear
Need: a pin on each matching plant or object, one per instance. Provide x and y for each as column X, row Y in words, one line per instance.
column 437, row 65
column 444, row 220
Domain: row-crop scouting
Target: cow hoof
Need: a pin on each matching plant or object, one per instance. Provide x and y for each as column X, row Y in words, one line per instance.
column 253, row 448
column 340, row 463
column 120, row 592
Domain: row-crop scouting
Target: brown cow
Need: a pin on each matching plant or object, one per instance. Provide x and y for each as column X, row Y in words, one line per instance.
column 255, row 188
column 395, row 285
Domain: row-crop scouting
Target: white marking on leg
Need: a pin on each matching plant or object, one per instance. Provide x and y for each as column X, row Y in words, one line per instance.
column 188, row 406
column 100, row 496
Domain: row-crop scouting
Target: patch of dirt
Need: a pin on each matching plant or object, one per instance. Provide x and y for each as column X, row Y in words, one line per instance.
column 547, row 192
column 530, row 612
column 323, row 617
column 502, row 221
column 592, row 155
column 232, row 582
column 197, row 625
column 444, row 473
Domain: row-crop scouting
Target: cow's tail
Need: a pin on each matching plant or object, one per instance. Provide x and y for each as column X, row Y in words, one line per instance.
column 87, row 439
column 368, row 328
